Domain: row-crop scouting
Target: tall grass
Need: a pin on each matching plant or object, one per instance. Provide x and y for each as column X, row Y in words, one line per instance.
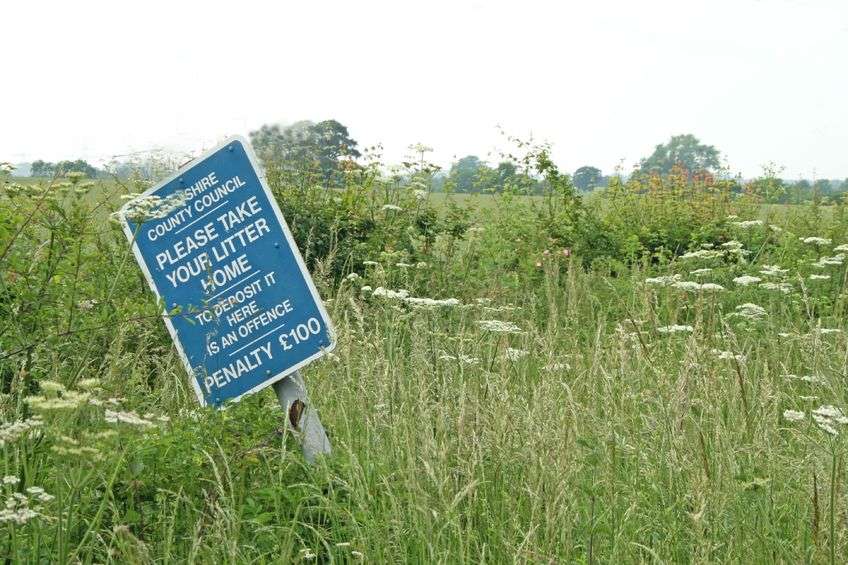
column 613, row 420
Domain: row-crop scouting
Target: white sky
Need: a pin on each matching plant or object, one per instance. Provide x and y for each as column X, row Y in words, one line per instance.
column 603, row 80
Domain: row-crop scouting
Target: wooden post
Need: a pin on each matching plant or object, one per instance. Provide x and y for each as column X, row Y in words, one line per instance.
column 302, row 417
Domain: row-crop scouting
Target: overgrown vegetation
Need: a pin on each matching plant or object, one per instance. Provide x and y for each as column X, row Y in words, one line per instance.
column 654, row 373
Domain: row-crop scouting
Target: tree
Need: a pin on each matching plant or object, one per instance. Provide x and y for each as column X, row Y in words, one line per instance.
column 306, row 145
column 506, row 171
column 683, row 150
column 464, row 174
column 587, row 178
column 801, row 190
column 332, row 142
column 78, row 166
column 822, row 186
column 41, row 168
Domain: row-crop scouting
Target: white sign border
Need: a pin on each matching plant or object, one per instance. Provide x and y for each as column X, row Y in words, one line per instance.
column 289, row 240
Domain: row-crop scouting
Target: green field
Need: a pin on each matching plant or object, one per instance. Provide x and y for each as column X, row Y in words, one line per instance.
column 594, row 394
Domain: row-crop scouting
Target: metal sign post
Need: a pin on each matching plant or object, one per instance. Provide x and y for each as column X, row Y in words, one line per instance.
column 302, row 417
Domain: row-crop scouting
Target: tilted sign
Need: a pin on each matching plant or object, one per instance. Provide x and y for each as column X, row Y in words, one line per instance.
column 239, row 302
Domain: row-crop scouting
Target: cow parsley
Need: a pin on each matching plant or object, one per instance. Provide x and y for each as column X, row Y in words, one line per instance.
column 748, row 224
column 815, row 240
column 773, row 271
column 749, row 311
column 793, row 415
column 497, row 326
column 746, row 280
column 783, row 287
column 676, row 328
column 665, row 280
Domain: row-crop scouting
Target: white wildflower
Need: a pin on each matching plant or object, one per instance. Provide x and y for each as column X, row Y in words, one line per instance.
column 773, row 271
column 830, row 411
column 734, row 247
column 391, row 294
column 836, row 260
column 700, row 254
column 391, row 207
column 692, row 286
column 827, row 416
column 815, row 277
column 699, row 272
column 727, row 355
column 515, row 354
column 842, row 248
column 793, row 415
column 19, row 516
column 403, row 296
column 87, row 304
column 810, row 379
column 463, row 359
column 688, row 286
column 825, row 425
column 504, row 308
column 10, row 432
column 150, row 207
column 353, row 277
column 783, row 287
column 366, row 288
column 68, row 401
column 815, row 240
column 750, row 311
column 431, row 302
column 676, row 328
column 665, row 280
column 497, row 326
column 130, row 418
column 747, row 224
column 746, row 280
column 11, row 480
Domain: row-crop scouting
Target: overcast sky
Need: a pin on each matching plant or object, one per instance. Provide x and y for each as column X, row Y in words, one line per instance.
column 604, row 81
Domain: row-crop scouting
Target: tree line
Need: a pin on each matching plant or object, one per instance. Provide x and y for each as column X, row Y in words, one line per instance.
column 41, row 168
column 324, row 151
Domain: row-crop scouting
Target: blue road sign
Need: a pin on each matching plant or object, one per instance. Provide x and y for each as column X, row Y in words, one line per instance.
column 238, row 300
